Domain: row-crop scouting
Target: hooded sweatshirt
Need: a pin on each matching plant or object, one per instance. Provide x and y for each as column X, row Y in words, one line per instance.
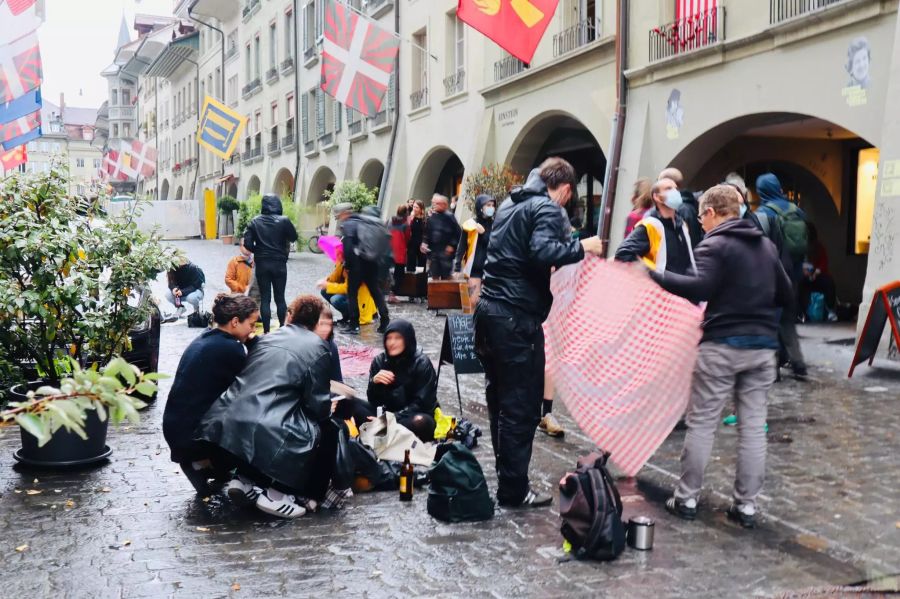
column 414, row 389
column 530, row 236
column 470, row 234
column 740, row 275
column 269, row 235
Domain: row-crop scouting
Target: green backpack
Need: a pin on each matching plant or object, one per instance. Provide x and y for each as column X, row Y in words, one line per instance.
column 458, row 492
column 793, row 230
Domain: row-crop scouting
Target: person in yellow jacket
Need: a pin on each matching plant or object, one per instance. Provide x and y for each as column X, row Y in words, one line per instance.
column 334, row 290
column 473, row 243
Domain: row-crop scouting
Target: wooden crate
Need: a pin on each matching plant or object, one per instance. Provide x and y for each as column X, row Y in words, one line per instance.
column 444, row 295
column 414, row 284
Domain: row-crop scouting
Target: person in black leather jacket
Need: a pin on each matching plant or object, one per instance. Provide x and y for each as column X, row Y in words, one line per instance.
column 530, row 236
column 269, row 237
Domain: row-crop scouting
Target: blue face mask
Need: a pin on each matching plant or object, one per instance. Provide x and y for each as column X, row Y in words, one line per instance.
column 488, row 211
column 743, row 210
column 673, row 199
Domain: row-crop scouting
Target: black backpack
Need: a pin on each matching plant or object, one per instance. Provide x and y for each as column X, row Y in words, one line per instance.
column 458, row 492
column 591, row 510
column 373, row 239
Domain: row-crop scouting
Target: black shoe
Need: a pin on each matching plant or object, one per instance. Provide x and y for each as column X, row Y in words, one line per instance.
column 351, row 329
column 197, row 478
column 744, row 519
column 681, row 425
column 532, row 499
column 383, row 326
column 800, row 373
column 681, row 509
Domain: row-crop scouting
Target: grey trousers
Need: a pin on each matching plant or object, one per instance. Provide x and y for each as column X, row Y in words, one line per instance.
column 723, row 371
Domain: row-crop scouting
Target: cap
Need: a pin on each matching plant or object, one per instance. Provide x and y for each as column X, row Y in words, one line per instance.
column 342, row 207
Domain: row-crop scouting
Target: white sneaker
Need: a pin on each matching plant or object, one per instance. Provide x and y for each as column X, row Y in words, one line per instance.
column 241, row 492
column 286, row 507
column 180, row 311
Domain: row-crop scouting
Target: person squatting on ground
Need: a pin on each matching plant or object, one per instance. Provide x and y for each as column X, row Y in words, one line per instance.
column 661, row 239
column 334, row 289
column 269, row 237
column 442, row 233
column 274, row 420
column 325, row 330
column 207, row 368
column 400, row 236
column 531, row 235
column 185, row 284
column 360, row 270
column 473, row 244
column 239, row 271
column 740, row 276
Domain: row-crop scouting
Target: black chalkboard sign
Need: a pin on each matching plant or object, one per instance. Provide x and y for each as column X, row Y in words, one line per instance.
column 458, row 346
column 885, row 308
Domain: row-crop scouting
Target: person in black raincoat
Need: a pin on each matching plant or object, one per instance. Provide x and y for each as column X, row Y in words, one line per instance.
column 471, row 250
column 270, row 419
column 402, row 380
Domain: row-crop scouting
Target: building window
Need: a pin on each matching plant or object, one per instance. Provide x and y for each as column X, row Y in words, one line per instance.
column 256, row 51
column 289, row 33
column 126, row 129
column 273, row 46
column 32, row 146
column 308, row 113
column 232, row 90
column 218, row 89
column 248, row 66
column 79, row 162
column 257, row 121
column 419, row 83
column 126, row 97
column 115, row 131
column 459, row 45
column 309, row 25
column 274, row 113
column 289, row 106
column 97, row 163
column 114, row 97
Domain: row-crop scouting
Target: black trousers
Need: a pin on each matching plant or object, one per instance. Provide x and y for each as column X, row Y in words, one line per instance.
column 271, row 276
column 364, row 271
column 510, row 345
column 399, row 270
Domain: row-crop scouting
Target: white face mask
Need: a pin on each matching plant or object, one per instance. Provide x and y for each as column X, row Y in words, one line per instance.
column 488, row 211
column 673, row 199
column 743, row 210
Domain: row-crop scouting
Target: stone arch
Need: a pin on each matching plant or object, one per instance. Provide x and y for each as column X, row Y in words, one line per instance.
column 323, row 179
column 253, row 186
column 441, row 171
column 372, row 172
column 232, row 189
column 164, row 190
column 283, row 184
column 180, row 193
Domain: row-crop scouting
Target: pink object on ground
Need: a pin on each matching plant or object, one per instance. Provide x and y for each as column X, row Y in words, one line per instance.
column 330, row 245
column 356, row 359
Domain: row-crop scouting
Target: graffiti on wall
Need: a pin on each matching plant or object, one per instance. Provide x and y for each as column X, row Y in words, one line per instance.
column 859, row 56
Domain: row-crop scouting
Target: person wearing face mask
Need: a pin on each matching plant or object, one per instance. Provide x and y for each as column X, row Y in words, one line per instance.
column 740, row 276
column 530, row 236
column 661, row 240
column 688, row 208
column 476, row 233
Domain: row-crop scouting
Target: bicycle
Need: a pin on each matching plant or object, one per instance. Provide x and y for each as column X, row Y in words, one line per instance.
column 313, row 244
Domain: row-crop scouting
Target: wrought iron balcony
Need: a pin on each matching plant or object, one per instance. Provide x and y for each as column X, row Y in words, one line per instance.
column 455, row 83
column 251, row 88
column 309, row 54
column 272, row 75
column 247, row 154
column 231, row 52
column 419, row 98
column 379, row 121
column 783, row 10
column 257, row 152
column 288, row 140
column 309, row 146
column 326, row 140
column 580, row 34
column 250, row 9
column 507, row 67
column 355, row 127
column 377, row 8
column 287, row 65
column 685, row 35
column 273, row 147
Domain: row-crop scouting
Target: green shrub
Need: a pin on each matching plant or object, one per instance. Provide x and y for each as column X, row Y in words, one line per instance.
column 355, row 192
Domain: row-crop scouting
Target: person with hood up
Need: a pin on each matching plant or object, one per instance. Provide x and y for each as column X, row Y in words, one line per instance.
column 476, row 233
column 441, row 236
column 402, row 380
column 269, row 237
column 530, row 236
column 740, row 276
column 781, row 218
column 688, row 209
column 272, row 419
column 661, row 240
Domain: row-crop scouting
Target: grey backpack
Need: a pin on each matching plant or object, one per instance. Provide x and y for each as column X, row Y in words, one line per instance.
column 374, row 239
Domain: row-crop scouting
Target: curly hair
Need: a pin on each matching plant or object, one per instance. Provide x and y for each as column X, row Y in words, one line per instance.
column 233, row 305
column 304, row 311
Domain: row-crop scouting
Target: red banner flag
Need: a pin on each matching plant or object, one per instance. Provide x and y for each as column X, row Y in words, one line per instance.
column 14, row 158
column 20, row 68
column 141, row 158
column 357, row 59
column 517, row 26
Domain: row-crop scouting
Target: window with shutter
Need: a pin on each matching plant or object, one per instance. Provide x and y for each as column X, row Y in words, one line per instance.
column 320, row 18
column 304, row 115
column 337, row 117
column 320, row 112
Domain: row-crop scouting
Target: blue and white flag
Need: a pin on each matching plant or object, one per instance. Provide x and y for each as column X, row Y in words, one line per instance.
column 27, row 104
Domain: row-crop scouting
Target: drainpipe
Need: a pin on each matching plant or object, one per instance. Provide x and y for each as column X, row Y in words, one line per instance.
column 390, row 157
column 197, row 143
column 297, row 117
column 156, row 129
column 222, row 66
column 611, row 178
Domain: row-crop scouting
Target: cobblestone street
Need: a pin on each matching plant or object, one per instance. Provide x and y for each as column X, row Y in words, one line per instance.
column 134, row 528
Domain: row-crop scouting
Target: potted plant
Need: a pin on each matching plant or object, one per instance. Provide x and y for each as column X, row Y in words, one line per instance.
column 69, row 280
column 495, row 180
column 227, row 206
column 355, row 192
column 63, row 421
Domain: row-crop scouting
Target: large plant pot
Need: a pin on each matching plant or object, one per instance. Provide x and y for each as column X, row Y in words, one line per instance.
column 227, row 239
column 65, row 449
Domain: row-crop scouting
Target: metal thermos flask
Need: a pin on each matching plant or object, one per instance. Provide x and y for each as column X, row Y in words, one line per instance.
column 640, row 533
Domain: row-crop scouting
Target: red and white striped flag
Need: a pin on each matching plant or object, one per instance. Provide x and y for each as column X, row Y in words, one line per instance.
column 20, row 126
column 692, row 8
column 357, row 59
column 19, row 18
column 141, row 158
column 20, row 67
column 621, row 352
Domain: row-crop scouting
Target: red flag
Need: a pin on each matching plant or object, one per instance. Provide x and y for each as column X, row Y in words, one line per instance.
column 621, row 352
column 112, row 162
column 141, row 157
column 357, row 59
column 20, row 68
column 14, row 158
column 20, row 126
column 19, row 18
column 517, row 26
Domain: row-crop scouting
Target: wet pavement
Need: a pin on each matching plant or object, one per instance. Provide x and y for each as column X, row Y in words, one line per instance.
column 134, row 528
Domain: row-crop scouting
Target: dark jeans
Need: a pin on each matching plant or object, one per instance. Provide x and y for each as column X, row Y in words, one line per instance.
column 441, row 265
column 339, row 301
column 271, row 275
column 399, row 270
column 364, row 271
column 788, row 338
column 414, row 258
column 511, row 347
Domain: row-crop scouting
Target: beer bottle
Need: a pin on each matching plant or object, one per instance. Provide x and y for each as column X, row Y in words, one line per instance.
column 406, row 479
column 451, row 432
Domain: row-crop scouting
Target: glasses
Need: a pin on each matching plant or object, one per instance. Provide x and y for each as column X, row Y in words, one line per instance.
column 703, row 214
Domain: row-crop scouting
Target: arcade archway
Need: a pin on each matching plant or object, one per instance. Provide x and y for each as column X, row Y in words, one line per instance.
column 371, row 173
column 284, row 183
column 322, row 180
column 164, row 190
column 253, row 186
column 441, row 171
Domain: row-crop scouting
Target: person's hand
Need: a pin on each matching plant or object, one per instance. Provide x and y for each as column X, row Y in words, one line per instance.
column 458, row 276
column 423, row 248
column 479, row 228
column 321, row 283
column 593, row 245
column 334, row 404
column 176, row 292
column 383, row 377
